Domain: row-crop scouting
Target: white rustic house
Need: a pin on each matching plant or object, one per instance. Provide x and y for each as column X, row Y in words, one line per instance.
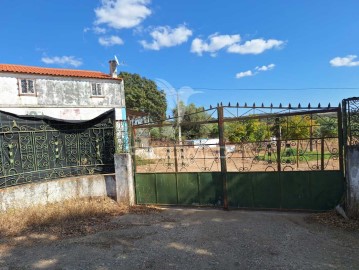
column 60, row 93
column 46, row 134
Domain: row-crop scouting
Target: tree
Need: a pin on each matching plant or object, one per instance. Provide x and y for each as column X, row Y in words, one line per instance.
column 142, row 94
column 251, row 130
column 327, row 126
column 295, row 127
column 190, row 115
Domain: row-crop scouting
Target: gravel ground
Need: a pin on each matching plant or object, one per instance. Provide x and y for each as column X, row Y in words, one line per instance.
column 193, row 239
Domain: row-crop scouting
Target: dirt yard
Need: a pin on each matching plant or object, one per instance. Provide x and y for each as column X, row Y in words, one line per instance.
column 192, row 239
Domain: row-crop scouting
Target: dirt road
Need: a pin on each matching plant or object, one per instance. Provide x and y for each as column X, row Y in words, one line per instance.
column 194, row 239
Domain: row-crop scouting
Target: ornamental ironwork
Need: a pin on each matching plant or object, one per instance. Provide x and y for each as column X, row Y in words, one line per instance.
column 351, row 120
column 254, row 139
column 34, row 149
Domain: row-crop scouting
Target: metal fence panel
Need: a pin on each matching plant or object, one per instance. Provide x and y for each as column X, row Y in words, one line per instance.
column 242, row 156
column 38, row 149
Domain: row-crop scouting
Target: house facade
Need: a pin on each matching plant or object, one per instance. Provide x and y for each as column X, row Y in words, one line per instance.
column 64, row 94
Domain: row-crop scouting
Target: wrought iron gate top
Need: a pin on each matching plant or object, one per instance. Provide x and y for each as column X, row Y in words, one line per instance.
column 255, row 138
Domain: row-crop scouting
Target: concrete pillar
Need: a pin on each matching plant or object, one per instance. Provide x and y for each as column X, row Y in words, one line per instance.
column 125, row 193
column 352, row 176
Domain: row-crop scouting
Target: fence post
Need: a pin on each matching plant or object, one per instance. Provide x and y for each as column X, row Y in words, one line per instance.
column 278, row 135
column 222, row 152
column 322, row 142
column 345, row 154
column 340, row 139
column 125, row 193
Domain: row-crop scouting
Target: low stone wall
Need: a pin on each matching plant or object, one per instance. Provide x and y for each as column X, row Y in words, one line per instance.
column 57, row 191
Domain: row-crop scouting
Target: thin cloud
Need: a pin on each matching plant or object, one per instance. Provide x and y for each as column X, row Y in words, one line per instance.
column 213, row 44
column 95, row 29
column 165, row 36
column 243, row 74
column 62, row 60
column 265, row 68
column 255, row 71
column 255, row 46
column 346, row 61
column 99, row 30
column 110, row 41
column 121, row 14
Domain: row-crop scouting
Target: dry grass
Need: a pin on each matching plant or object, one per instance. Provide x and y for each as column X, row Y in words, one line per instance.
column 333, row 219
column 65, row 219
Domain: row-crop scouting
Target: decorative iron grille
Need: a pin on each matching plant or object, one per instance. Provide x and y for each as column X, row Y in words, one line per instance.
column 351, row 120
column 254, row 139
column 34, row 149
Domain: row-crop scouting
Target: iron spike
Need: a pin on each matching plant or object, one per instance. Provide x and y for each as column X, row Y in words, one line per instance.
column 329, row 105
column 221, row 104
column 245, row 105
column 340, row 105
column 237, row 104
column 271, row 105
column 262, row 105
column 210, row 106
column 308, row 105
column 319, row 105
column 229, row 104
column 254, row 105
column 280, row 105
column 299, row 106
column 289, row 106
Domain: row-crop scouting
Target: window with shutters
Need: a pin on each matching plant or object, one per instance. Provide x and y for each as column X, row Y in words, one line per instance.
column 27, row 87
column 97, row 90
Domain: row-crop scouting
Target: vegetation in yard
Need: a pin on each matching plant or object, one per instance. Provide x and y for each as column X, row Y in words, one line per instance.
column 65, row 219
column 334, row 220
column 142, row 95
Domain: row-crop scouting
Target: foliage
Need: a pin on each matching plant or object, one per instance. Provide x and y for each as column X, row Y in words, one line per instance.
column 142, row 95
column 189, row 116
column 252, row 130
column 295, row 127
column 247, row 131
column 160, row 133
column 327, row 126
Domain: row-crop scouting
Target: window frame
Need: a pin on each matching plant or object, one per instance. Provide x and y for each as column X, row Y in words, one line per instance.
column 20, row 89
column 98, row 90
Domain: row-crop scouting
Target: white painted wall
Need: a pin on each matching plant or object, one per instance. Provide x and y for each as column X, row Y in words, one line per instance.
column 56, row 191
column 60, row 97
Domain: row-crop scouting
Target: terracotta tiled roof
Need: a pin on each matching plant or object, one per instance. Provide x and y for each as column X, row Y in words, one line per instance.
column 54, row 71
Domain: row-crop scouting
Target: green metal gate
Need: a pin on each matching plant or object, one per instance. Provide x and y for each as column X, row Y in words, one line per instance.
column 242, row 157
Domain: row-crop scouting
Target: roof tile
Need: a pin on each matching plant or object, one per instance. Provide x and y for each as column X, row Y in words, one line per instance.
column 54, row 71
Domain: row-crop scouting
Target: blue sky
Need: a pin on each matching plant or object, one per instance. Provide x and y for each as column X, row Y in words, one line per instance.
column 217, row 48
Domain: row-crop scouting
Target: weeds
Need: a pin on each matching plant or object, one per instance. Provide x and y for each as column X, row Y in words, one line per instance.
column 69, row 218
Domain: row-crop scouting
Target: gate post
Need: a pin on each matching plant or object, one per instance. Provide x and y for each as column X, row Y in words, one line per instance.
column 222, row 152
column 124, row 179
column 351, row 154
column 123, row 164
column 279, row 142
column 341, row 137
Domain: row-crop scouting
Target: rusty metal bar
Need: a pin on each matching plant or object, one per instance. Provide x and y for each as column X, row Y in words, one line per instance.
column 278, row 135
column 322, row 153
column 234, row 119
column 340, row 139
column 222, row 151
column 175, row 156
